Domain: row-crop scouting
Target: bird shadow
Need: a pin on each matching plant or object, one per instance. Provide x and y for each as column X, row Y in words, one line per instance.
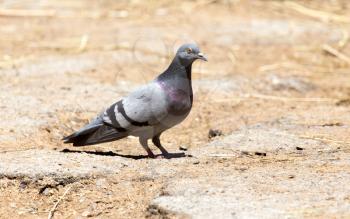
column 134, row 157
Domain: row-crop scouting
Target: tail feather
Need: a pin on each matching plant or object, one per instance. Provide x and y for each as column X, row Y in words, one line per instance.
column 94, row 135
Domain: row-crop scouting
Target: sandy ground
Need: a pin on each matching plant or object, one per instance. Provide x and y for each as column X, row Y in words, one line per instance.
column 276, row 86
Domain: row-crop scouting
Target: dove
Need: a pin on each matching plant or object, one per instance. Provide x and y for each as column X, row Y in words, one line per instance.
column 149, row 110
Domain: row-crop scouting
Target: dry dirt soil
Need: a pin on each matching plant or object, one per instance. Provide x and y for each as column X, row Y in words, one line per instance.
column 275, row 92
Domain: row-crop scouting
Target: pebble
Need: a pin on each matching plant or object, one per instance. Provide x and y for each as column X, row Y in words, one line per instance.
column 101, row 183
column 23, row 184
column 47, row 192
column 86, row 214
column 214, row 133
column 260, row 154
column 183, row 148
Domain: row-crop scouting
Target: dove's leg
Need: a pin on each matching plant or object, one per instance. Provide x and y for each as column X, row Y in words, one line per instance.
column 144, row 143
column 156, row 142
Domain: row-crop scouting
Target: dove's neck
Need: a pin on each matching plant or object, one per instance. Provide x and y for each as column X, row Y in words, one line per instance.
column 176, row 80
column 177, row 71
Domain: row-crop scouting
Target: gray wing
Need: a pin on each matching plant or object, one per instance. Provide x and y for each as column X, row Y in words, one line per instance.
column 146, row 106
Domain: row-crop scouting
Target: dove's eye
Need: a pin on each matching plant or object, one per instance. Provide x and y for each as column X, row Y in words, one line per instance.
column 189, row 50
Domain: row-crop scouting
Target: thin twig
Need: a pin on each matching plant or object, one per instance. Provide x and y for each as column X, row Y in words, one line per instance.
column 27, row 13
column 344, row 40
column 83, row 42
column 324, row 139
column 68, row 44
column 322, row 15
column 336, row 53
column 278, row 65
column 222, row 155
column 238, row 100
column 9, row 151
column 276, row 98
column 232, row 58
column 298, row 99
column 53, row 209
column 201, row 4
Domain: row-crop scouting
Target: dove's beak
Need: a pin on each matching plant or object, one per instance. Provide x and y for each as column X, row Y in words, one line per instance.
column 202, row 57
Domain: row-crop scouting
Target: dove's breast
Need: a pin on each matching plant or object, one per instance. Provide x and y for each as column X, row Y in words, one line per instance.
column 179, row 102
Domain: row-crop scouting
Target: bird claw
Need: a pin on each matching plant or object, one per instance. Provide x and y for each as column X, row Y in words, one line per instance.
column 170, row 155
column 163, row 156
column 152, row 156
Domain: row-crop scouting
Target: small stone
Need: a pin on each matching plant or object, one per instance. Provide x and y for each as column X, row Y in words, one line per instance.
column 153, row 210
column 23, row 184
column 86, row 214
column 343, row 102
column 47, row 192
column 183, row 148
column 214, row 133
column 246, row 153
column 82, row 199
column 260, row 154
column 290, row 83
column 333, row 124
column 242, row 169
column 66, row 88
column 101, row 183
column 299, row 148
column 196, row 162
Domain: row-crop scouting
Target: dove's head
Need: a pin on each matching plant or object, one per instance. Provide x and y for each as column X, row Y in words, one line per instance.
column 188, row 53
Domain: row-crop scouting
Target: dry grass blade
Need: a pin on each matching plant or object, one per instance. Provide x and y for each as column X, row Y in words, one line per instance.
column 324, row 139
column 27, row 13
column 327, row 48
column 232, row 58
column 53, row 209
column 223, row 155
column 277, row 98
column 342, row 43
column 83, row 43
column 300, row 99
column 322, row 15
column 278, row 66
column 26, row 149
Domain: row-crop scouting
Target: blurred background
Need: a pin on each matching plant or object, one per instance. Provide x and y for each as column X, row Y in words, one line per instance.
column 60, row 59
column 281, row 63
